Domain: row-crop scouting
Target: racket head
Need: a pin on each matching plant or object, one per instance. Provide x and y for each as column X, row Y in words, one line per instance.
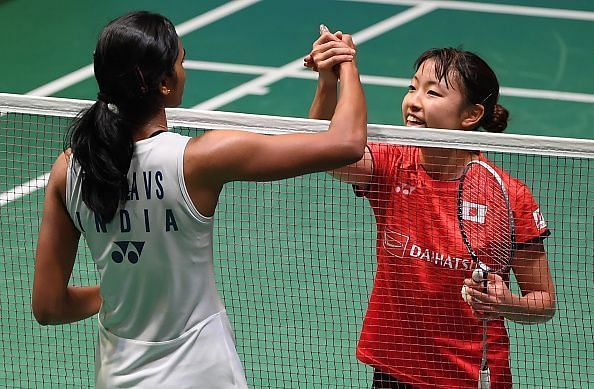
column 485, row 217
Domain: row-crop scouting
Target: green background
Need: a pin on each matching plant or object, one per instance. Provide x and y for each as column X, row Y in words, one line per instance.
column 295, row 258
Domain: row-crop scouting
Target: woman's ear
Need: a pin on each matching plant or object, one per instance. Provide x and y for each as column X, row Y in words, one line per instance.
column 164, row 87
column 165, row 91
column 472, row 116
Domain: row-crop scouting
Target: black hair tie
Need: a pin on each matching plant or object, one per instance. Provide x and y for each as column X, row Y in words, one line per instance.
column 110, row 106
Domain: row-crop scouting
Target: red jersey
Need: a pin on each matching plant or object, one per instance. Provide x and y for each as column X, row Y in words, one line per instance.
column 417, row 327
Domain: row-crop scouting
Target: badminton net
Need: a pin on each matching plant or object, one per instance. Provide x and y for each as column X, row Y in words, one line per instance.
column 295, row 259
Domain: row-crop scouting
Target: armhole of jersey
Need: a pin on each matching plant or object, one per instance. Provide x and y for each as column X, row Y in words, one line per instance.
column 71, row 179
column 184, row 190
column 537, row 239
column 69, row 184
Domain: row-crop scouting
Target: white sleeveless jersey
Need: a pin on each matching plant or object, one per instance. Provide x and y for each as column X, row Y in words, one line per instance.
column 162, row 323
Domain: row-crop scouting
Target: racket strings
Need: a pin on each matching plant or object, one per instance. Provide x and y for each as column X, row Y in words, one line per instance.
column 486, row 219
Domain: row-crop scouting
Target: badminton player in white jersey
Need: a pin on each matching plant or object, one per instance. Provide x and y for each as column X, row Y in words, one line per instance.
column 144, row 199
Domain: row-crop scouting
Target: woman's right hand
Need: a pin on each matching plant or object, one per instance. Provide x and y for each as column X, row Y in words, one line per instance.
column 328, row 52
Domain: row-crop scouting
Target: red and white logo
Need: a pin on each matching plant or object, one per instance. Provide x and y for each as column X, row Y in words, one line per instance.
column 405, row 189
column 539, row 219
column 395, row 243
column 474, row 212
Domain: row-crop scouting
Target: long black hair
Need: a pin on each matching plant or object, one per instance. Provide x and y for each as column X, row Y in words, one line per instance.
column 134, row 53
column 475, row 76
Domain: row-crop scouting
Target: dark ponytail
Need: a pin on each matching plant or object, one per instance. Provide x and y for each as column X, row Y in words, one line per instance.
column 478, row 80
column 103, row 148
column 133, row 55
column 496, row 120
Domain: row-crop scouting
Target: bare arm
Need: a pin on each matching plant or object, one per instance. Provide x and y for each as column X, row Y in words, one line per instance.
column 224, row 156
column 54, row 302
column 537, row 301
column 324, row 57
column 244, row 156
column 325, row 99
column 531, row 268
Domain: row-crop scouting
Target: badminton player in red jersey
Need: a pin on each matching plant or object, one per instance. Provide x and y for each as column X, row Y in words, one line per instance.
column 418, row 332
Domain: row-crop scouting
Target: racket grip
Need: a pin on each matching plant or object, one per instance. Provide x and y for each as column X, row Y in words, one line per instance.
column 484, row 381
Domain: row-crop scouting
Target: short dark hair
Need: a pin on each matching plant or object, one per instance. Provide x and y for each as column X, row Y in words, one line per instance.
column 475, row 76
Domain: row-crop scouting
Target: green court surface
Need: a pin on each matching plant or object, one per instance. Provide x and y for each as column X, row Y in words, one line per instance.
column 295, row 258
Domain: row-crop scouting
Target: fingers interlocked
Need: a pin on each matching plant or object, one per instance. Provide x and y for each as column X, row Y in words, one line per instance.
column 329, row 50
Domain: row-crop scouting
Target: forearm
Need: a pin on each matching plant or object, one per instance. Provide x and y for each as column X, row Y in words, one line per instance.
column 533, row 308
column 78, row 303
column 324, row 102
column 350, row 118
column 537, row 302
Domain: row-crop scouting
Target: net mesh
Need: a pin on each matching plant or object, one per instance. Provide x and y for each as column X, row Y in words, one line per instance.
column 485, row 216
column 295, row 259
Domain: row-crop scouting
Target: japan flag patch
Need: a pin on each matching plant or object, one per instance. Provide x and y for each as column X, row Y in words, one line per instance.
column 539, row 220
column 474, row 212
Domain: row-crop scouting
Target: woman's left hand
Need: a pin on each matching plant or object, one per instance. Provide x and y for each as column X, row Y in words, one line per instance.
column 491, row 302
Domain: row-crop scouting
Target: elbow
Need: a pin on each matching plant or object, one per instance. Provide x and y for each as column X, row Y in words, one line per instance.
column 354, row 149
column 550, row 308
column 44, row 313
column 549, row 313
column 545, row 314
column 42, row 316
column 353, row 152
column 345, row 154
column 356, row 152
column 348, row 138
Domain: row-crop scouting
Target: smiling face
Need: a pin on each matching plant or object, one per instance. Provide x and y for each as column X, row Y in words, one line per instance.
column 435, row 103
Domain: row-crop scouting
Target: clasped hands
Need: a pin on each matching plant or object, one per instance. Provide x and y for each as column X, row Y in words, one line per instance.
column 329, row 51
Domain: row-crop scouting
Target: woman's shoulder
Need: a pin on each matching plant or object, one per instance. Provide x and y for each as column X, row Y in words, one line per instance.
column 58, row 175
column 515, row 186
column 393, row 156
column 391, row 150
column 61, row 163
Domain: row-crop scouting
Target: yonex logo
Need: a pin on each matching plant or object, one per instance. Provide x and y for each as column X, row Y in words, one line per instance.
column 405, row 189
column 124, row 249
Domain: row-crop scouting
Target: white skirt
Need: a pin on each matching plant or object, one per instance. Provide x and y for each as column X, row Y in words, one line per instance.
column 202, row 357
